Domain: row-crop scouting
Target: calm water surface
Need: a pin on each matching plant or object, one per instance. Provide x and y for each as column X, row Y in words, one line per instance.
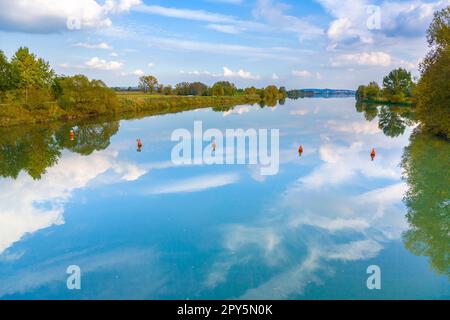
column 141, row 227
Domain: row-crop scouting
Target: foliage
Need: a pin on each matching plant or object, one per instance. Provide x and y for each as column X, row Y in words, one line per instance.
column 79, row 95
column 398, row 85
column 433, row 89
column 370, row 92
column 425, row 168
column 30, row 71
column 148, row 83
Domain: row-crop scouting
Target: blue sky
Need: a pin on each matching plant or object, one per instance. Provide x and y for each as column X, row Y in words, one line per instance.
column 298, row 44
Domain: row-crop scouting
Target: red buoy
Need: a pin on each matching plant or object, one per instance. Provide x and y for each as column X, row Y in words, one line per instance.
column 300, row 150
column 372, row 153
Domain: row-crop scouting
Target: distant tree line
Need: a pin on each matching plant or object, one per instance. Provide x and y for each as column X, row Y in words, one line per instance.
column 150, row 84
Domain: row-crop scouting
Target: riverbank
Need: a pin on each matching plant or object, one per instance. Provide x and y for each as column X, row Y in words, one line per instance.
column 128, row 104
column 387, row 102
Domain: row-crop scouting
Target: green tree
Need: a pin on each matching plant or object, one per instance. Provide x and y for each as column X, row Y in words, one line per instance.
column 373, row 91
column 229, row 89
column 251, row 90
column 425, row 169
column 398, row 85
column 8, row 78
column 433, row 90
column 198, row 89
column 32, row 72
column 218, row 90
column 79, row 95
column 271, row 92
column 183, row 89
column 168, row 90
column 148, row 83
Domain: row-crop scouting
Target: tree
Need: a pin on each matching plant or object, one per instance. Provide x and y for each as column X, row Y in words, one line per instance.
column 271, row 92
column 218, row 90
column 398, row 85
column 251, row 90
column 78, row 94
column 183, row 89
column 148, row 83
column 433, row 89
column 8, row 78
column 282, row 93
column 32, row 72
column 229, row 89
column 198, row 89
column 168, row 90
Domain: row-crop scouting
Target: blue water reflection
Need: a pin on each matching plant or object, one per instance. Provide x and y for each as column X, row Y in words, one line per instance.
column 141, row 227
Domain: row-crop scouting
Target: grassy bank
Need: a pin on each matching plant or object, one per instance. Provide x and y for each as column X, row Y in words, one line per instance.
column 387, row 102
column 129, row 105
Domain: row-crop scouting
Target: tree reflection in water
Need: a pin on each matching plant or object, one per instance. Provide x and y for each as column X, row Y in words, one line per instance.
column 35, row 148
column 392, row 120
column 425, row 165
column 426, row 170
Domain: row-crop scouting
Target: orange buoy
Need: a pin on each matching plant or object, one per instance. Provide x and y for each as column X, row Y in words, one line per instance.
column 372, row 153
column 300, row 150
column 72, row 135
column 139, row 144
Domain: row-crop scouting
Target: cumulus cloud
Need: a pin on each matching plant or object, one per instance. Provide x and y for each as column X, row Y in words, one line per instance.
column 24, row 215
column 101, row 64
column 370, row 59
column 101, row 45
column 138, row 72
column 396, row 19
column 301, row 73
column 228, row 73
column 47, row 16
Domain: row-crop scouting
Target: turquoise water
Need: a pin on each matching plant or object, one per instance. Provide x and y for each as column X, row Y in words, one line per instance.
column 141, row 227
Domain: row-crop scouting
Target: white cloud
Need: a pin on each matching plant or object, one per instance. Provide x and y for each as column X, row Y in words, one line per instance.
column 150, row 65
column 301, row 73
column 114, row 54
column 275, row 76
column 198, row 15
column 22, row 215
column 138, row 72
column 370, row 59
column 118, row 6
column 225, row 28
column 101, row 45
column 239, row 74
column 196, row 184
column 46, row 16
column 197, row 73
column 100, row 64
